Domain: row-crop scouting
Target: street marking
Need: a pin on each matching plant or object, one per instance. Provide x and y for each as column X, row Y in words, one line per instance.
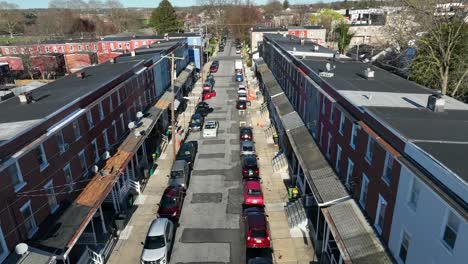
column 140, row 199
column 125, row 234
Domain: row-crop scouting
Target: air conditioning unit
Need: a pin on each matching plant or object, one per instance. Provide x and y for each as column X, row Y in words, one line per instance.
column 436, row 103
column 369, row 73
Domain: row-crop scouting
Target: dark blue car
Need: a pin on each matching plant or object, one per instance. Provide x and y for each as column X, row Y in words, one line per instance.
column 239, row 77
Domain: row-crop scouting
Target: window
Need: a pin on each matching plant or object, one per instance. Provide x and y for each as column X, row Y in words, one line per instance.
column 79, row 47
column 122, row 123
column 28, row 218
column 352, row 142
column 41, row 157
column 342, row 120
column 116, row 133
column 95, row 47
column 82, row 158
column 363, row 196
column 349, row 173
column 140, row 103
column 120, row 45
column 61, row 142
column 101, row 111
column 96, row 150
column 106, row 139
column 380, row 215
column 370, row 149
column 127, row 45
column 111, row 106
column 55, row 49
column 118, row 97
column 414, row 194
column 135, row 45
column 321, row 134
column 332, row 110
column 89, row 116
column 451, row 230
column 387, row 173
column 3, row 247
column 71, row 48
column 405, row 241
column 329, row 145
column 87, row 46
column 112, row 46
column 68, row 177
column 338, row 157
column 14, row 172
column 49, row 190
column 323, row 104
column 302, row 34
column 76, row 130
column 46, row 49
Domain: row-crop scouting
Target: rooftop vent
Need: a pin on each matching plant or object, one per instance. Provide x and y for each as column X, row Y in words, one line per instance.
column 112, row 60
column 81, row 75
column 369, row 73
column 26, row 98
column 133, row 53
column 316, row 48
column 436, row 103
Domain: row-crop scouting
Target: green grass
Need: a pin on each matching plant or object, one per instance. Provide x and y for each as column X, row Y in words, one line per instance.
column 21, row 39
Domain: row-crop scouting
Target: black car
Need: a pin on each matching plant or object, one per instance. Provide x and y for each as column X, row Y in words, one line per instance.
column 246, row 133
column 241, row 104
column 209, row 83
column 221, row 49
column 187, row 152
column 204, row 110
column 250, row 167
column 196, row 122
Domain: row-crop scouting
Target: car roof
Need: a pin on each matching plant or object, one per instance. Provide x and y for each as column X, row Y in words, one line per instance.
column 196, row 115
column 157, row 227
column 210, row 122
column 179, row 164
column 171, row 191
column 256, row 220
column 246, row 129
column 253, row 184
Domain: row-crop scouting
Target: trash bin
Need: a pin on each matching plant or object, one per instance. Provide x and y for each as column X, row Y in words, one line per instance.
column 130, row 200
column 120, row 221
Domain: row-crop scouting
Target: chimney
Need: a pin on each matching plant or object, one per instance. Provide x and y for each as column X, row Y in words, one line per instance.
column 26, row 98
column 436, row 103
column 133, row 53
column 369, row 73
column 80, row 75
column 302, row 42
column 112, row 60
column 316, row 48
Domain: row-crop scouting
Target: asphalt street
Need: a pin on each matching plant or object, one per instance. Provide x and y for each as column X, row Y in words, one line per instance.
column 211, row 229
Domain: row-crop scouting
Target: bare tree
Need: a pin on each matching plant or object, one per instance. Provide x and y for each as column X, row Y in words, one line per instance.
column 273, row 8
column 216, row 10
column 300, row 16
column 122, row 19
column 242, row 16
column 11, row 19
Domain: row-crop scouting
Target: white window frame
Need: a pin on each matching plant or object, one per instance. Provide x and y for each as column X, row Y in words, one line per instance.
column 44, row 164
column 140, row 103
column 71, row 47
column 76, row 130
column 349, row 173
column 83, row 163
column 352, row 143
column 378, row 214
column 403, row 233
column 61, row 142
column 79, row 47
column 119, row 46
column 19, row 175
column 23, row 208
column 122, row 122
column 370, row 149
column 96, row 150
column 342, row 121
column 106, row 139
column 387, row 177
column 112, row 46
column 362, row 196
column 68, row 180
column 101, row 111
column 328, row 154
column 331, row 118
column 89, row 117
column 413, row 203
column 338, row 157
column 116, row 133
column 3, row 245
column 51, row 198
column 444, row 227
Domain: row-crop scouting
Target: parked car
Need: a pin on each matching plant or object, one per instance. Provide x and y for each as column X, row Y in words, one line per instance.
column 242, row 90
column 196, row 122
column 207, row 94
column 170, row 205
column 253, row 195
column 239, row 77
column 238, row 51
column 179, row 174
column 214, row 66
column 158, row 242
column 246, row 133
column 210, row 129
column 203, row 110
column 250, row 167
column 241, row 104
column 247, row 147
column 256, row 228
column 209, row 84
column 187, row 152
column 221, row 49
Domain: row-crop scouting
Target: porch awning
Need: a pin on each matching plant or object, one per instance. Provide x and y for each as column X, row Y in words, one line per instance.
column 183, row 77
column 165, row 100
column 356, row 240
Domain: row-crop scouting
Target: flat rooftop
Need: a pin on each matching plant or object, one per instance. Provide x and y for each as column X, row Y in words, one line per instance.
column 291, row 42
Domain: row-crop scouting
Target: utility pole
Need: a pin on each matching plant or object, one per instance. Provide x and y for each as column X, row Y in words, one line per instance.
column 173, row 73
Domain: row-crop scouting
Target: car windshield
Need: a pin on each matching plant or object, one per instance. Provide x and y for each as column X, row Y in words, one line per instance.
column 210, row 126
column 195, row 120
column 176, row 174
column 154, row 242
column 258, row 233
column 245, row 131
column 168, row 202
column 254, row 192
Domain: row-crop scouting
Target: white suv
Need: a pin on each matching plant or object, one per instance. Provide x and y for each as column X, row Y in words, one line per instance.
column 158, row 242
column 210, row 129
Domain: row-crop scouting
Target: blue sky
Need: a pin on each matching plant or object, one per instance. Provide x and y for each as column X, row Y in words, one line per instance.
column 138, row 3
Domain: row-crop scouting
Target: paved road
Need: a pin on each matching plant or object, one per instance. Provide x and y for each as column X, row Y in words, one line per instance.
column 210, row 228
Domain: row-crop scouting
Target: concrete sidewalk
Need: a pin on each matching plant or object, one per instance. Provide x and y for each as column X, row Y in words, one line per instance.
column 128, row 249
column 287, row 248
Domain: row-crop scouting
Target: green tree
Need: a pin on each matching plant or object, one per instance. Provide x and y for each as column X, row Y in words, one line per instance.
column 441, row 60
column 326, row 18
column 164, row 19
column 343, row 37
column 285, row 4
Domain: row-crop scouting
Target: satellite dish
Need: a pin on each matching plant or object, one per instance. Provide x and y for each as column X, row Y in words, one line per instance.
column 106, row 155
column 21, row 249
column 131, row 125
column 328, row 66
column 94, row 169
column 139, row 114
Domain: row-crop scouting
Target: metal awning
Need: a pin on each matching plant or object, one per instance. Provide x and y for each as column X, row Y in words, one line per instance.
column 176, row 104
column 356, row 240
column 165, row 100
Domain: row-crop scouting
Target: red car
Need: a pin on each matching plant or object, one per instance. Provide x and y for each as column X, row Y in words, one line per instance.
column 256, row 228
column 253, row 195
column 207, row 94
column 171, row 203
column 246, row 133
column 214, row 66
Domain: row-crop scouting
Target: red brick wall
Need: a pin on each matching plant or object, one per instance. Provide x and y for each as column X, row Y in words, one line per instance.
column 16, row 64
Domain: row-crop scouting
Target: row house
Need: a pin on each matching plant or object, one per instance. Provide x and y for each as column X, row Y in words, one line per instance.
column 62, row 160
column 390, row 142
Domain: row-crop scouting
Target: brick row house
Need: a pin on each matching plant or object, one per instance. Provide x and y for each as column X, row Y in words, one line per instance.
column 386, row 144
column 55, row 139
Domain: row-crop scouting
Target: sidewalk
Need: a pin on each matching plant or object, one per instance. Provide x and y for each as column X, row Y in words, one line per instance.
column 287, row 248
column 128, row 249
